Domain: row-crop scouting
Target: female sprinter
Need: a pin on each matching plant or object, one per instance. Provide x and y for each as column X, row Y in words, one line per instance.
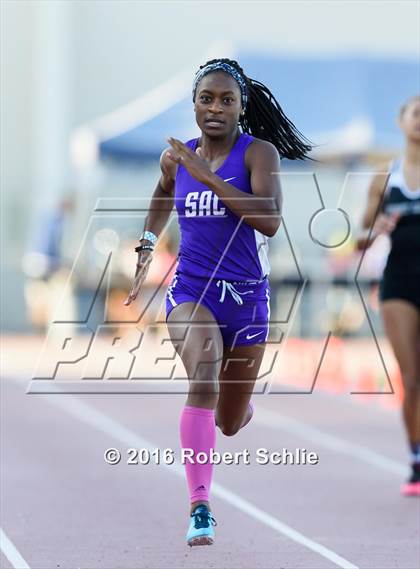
column 227, row 194
column 399, row 216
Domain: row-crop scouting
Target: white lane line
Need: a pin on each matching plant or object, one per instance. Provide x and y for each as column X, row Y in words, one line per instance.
column 280, row 527
column 11, row 553
column 274, row 420
column 95, row 418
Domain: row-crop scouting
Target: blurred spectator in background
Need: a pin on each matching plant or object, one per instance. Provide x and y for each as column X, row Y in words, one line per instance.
column 46, row 267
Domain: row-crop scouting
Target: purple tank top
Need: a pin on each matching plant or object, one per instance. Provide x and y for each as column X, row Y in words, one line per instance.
column 214, row 241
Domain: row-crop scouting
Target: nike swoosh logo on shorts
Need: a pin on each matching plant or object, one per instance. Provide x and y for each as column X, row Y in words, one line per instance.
column 250, row 336
column 229, row 179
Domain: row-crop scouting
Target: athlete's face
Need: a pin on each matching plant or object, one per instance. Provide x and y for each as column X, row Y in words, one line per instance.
column 410, row 121
column 217, row 104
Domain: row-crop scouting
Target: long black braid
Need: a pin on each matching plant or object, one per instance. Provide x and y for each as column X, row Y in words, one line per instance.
column 265, row 119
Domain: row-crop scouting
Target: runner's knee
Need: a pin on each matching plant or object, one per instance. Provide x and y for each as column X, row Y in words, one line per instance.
column 230, row 429
column 411, row 387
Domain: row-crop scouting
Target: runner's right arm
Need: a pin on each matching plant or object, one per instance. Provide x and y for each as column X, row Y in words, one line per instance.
column 162, row 201
column 160, row 208
column 373, row 222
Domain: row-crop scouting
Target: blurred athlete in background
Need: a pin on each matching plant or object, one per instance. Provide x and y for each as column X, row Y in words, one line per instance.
column 394, row 208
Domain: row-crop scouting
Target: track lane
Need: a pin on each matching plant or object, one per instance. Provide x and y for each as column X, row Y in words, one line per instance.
column 292, row 497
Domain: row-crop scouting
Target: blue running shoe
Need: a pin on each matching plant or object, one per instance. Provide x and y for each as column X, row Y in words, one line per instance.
column 201, row 530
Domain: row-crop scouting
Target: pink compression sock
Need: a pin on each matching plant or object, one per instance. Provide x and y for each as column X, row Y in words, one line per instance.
column 198, row 432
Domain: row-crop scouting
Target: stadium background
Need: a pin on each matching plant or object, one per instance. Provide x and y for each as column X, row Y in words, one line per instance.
column 89, row 91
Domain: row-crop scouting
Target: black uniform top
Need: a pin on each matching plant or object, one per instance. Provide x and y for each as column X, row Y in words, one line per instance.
column 404, row 257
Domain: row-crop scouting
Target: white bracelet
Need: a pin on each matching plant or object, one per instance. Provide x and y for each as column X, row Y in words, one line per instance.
column 150, row 236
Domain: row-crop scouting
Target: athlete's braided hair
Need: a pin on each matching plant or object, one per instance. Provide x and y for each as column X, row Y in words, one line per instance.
column 263, row 116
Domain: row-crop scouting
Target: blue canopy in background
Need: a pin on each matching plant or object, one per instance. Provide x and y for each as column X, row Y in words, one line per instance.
column 322, row 97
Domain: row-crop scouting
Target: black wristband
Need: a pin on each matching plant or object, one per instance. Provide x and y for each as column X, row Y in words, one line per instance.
column 140, row 248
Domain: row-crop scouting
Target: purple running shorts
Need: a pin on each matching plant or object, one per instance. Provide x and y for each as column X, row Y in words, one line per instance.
column 241, row 308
